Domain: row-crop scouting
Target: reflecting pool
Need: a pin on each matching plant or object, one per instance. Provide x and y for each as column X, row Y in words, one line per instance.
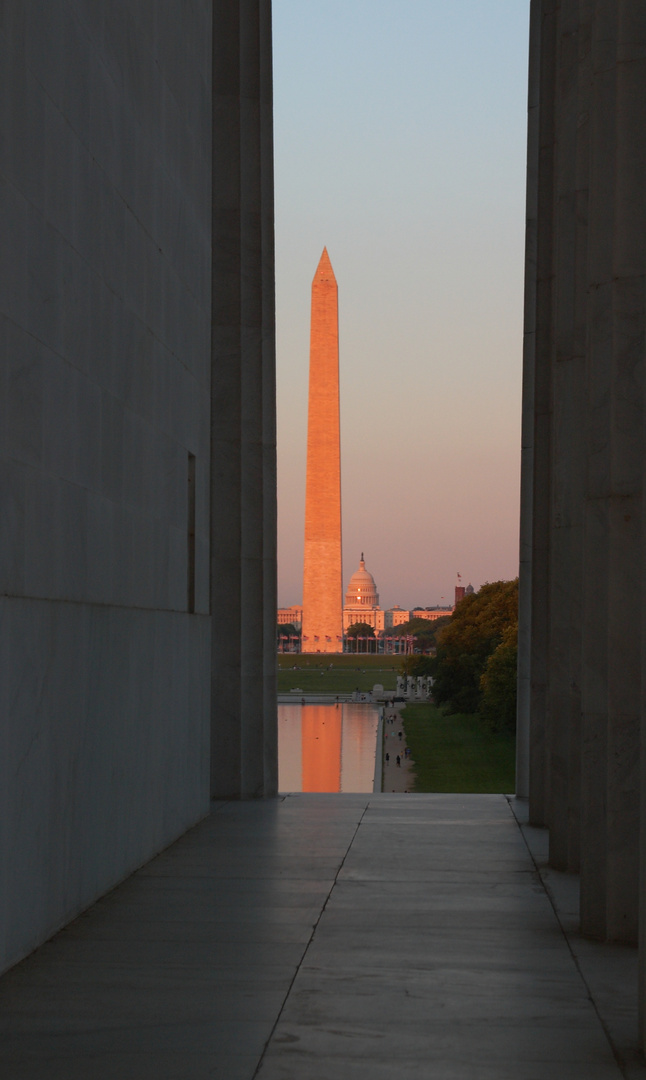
column 327, row 747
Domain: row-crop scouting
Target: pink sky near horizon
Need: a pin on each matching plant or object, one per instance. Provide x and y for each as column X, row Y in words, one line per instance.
column 413, row 177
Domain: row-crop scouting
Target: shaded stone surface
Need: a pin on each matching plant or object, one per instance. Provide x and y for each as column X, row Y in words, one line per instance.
column 137, row 439
column 105, row 385
column 581, row 666
column 322, row 936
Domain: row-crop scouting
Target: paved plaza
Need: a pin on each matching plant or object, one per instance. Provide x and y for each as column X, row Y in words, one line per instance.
column 330, row 937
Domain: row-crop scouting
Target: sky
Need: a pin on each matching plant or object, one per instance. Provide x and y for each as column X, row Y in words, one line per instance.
column 400, row 140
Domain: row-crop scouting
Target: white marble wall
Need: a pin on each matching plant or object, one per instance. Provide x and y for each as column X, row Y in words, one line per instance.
column 105, row 384
column 582, row 651
column 243, row 535
column 104, row 302
column 106, row 759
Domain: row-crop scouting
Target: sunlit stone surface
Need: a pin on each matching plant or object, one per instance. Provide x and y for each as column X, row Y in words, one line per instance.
column 322, row 573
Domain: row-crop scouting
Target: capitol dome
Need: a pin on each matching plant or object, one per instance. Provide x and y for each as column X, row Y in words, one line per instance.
column 362, row 589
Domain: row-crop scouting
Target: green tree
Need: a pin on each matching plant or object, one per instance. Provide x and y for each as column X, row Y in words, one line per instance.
column 359, row 630
column 417, row 665
column 287, row 630
column 424, row 631
column 413, row 626
column 477, row 628
column 498, row 684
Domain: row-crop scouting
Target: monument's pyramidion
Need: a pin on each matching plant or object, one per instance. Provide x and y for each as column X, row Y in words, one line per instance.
column 322, row 572
column 324, row 271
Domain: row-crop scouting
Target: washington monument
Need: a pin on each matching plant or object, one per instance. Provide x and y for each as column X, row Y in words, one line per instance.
column 322, row 573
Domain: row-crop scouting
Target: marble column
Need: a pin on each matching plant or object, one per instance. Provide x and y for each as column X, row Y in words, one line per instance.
column 626, row 472
column 611, row 602
column 568, row 391
column 541, row 481
column 527, row 446
column 255, row 491
column 226, row 610
column 587, row 552
column 243, row 508
column 270, row 593
column 596, row 539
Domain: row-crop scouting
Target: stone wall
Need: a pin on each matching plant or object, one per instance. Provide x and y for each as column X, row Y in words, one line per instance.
column 581, row 662
column 105, row 317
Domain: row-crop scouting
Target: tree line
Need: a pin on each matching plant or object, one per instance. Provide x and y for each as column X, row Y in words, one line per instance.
column 474, row 666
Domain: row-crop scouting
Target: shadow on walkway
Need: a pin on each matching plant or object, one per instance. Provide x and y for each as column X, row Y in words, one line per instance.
column 330, row 937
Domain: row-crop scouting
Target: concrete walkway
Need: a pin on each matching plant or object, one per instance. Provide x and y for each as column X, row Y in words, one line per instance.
column 328, row 937
column 396, row 778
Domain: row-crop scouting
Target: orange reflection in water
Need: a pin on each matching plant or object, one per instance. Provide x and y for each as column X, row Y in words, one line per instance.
column 327, row 749
column 321, row 748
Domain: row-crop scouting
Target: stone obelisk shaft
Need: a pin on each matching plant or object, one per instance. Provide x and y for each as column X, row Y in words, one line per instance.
column 322, row 573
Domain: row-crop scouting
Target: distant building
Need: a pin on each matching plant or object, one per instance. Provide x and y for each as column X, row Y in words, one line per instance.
column 362, row 606
column 290, row 619
column 461, row 591
column 362, row 601
column 395, row 616
column 429, row 613
column 293, row 615
column 398, row 616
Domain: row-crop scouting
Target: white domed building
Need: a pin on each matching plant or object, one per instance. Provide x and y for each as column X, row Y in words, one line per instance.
column 362, row 600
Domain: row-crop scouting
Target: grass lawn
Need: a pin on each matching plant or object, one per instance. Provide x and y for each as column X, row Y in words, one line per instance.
column 338, row 660
column 457, row 753
column 337, row 673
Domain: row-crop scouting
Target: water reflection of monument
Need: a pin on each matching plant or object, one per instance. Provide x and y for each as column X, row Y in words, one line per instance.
column 321, row 748
column 327, row 749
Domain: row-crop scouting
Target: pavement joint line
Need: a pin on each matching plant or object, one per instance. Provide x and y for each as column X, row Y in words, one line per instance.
column 621, row 1065
column 310, row 940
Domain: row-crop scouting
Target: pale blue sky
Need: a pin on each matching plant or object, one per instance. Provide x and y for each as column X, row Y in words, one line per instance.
column 400, row 134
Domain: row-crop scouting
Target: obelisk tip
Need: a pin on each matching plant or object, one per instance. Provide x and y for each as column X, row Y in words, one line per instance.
column 324, row 271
